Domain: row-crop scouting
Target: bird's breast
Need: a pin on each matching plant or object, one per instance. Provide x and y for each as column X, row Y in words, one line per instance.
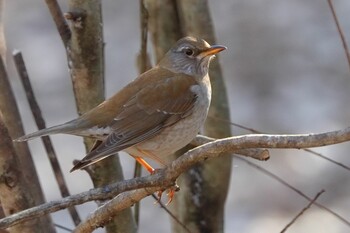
column 176, row 136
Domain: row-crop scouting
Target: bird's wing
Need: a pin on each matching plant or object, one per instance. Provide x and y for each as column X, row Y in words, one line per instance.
column 145, row 114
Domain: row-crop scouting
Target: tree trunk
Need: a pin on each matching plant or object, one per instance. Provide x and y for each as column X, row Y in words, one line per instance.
column 205, row 186
column 12, row 120
column 86, row 63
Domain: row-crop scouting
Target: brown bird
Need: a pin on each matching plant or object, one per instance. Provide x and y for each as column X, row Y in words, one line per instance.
column 153, row 116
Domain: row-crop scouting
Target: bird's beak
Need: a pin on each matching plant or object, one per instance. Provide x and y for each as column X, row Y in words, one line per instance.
column 214, row 49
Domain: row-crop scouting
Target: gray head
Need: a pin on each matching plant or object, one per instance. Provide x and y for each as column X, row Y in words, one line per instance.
column 190, row 56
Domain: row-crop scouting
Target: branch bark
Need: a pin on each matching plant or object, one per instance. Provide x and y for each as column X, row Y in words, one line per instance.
column 12, row 120
column 40, row 122
column 206, row 184
column 86, row 63
column 14, row 193
column 166, row 177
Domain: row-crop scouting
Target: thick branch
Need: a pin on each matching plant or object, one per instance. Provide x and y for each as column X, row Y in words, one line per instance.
column 209, row 186
column 13, row 188
column 255, row 153
column 166, row 177
column 12, row 120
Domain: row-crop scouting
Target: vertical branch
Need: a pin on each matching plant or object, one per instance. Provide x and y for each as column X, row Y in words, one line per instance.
column 13, row 194
column 143, row 64
column 11, row 118
column 207, row 183
column 86, row 64
column 163, row 25
column 3, row 56
column 60, row 22
column 2, row 35
column 16, row 187
column 39, row 120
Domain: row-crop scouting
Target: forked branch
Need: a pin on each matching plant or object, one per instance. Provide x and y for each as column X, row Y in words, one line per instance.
column 166, row 177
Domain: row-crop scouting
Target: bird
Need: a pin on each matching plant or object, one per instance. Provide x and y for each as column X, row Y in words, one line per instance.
column 153, row 116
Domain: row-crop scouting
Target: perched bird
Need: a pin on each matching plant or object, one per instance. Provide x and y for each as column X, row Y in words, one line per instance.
column 158, row 113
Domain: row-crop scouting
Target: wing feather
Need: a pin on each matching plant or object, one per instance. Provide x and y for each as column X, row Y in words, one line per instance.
column 145, row 114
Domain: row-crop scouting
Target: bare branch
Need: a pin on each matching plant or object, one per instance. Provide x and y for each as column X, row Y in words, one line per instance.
column 60, row 22
column 13, row 187
column 104, row 193
column 255, row 153
column 277, row 178
column 341, row 34
column 307, row 150
column 302, row 211
column 12, row 120
column 40, row 122
column 166, row 177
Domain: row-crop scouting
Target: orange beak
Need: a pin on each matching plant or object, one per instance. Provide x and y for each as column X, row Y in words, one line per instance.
column 214, row 49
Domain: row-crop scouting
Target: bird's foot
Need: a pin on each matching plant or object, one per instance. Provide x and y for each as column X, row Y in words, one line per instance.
column 170, row 193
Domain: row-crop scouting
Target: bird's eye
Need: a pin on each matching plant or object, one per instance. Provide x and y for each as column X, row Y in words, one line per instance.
column 188, row 51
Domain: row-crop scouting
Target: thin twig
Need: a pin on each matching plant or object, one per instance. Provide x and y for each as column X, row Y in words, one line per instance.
column 60, row 21
column 62, row 227
column 341, row 34
column 142, row 67
column 302, row 211
column 306, row 150
column 171, row 214
column 277, row 178
column 235, row 124
column 165, row 178
column 40, row 122
column 328, row 159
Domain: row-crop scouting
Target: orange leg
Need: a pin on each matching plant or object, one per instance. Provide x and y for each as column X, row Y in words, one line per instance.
column 151, row 170
column 148, row 167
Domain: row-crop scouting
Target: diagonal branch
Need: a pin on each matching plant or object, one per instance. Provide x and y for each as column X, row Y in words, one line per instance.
column 40, row 122
column 341, row 34
column 302, row 211
column 59, row 20
column 166, row 177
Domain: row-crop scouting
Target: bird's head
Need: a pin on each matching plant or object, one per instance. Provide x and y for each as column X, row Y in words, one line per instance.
column 190, row 56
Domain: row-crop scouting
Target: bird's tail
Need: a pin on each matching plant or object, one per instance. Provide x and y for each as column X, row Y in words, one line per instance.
column 63, row 128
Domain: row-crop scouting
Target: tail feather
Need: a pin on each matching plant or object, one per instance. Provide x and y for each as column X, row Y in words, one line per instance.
column 64, row 128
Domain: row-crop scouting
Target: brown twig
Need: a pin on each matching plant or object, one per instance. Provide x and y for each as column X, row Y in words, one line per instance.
column 255, row 153
column 106, row 192
column 142, row 63
column 277, row 178
column 12, row 120
column 306, row 150
column 13, row 187
column 175, row 218
column 165, row 178
column 302, row 211
column 341, row 34
column 40, row 122
column 60, row 22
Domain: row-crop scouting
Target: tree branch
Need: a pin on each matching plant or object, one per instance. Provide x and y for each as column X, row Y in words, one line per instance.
column 302, row 211
column 40, row 122
column 59, row 20
column 341, row 34
column 166, row 177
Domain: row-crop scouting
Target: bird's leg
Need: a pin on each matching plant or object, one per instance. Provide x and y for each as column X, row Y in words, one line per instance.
column 146, row 165
column 151, row 170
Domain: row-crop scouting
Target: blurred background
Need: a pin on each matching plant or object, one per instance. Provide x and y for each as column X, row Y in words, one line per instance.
column 285, row 70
